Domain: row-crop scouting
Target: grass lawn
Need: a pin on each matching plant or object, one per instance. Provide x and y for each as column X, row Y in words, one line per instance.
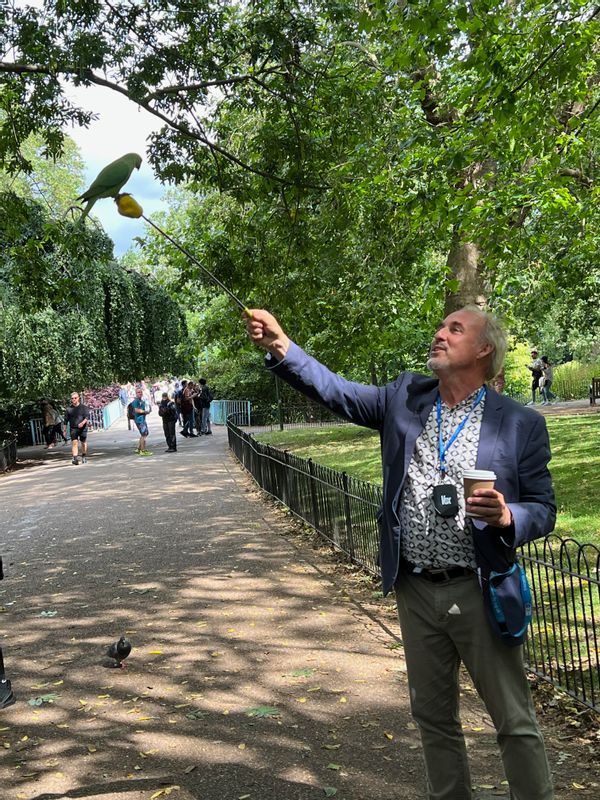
column 575, row 465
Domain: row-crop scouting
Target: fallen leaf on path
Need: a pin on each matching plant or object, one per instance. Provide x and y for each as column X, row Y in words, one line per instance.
column 262, row 711
column 43, row 698
column 166, row 791
column 330, row 791
column 301, row 673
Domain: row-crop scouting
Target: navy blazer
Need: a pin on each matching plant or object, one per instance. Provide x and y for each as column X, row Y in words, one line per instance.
column 513, row 443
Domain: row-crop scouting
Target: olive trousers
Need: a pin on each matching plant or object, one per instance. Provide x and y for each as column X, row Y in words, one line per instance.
column 444, row 624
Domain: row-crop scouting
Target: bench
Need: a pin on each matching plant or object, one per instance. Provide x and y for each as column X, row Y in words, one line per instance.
column 594, row 391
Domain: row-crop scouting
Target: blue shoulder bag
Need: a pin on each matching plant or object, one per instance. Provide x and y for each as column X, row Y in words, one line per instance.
column 510, row 599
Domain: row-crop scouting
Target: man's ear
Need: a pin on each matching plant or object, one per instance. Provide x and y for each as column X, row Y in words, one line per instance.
column 486, row 350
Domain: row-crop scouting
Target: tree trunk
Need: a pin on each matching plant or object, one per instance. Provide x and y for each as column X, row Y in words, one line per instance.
column 464, row 263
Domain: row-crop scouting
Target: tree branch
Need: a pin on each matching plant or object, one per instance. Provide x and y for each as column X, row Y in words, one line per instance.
column 577, row 174
column 194, row 87
column 185, row 130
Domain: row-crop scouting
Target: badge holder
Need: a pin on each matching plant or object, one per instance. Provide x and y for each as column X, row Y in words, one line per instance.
column 445, row 499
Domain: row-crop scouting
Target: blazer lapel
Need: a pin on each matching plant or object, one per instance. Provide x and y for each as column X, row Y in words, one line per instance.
column 417, row 424
column 490, row 428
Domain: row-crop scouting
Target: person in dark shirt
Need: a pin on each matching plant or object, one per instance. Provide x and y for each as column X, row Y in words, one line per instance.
column 77, row 420
column 167, row 410
column 206, row 397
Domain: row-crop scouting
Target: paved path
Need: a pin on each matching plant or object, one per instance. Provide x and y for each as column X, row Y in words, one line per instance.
column 228, row 610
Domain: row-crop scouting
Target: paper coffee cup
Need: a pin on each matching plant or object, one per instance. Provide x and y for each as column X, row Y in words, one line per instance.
column 477, row 479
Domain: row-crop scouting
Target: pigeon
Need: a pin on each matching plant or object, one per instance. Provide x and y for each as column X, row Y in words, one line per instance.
column 119, row 651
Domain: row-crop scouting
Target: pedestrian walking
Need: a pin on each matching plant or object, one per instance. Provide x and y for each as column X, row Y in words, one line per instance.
column 450, row 558
column 77, row 420
column 546, row 381
column 167, row 410
column 537, row 371
column 52, row 423
column 141, row 408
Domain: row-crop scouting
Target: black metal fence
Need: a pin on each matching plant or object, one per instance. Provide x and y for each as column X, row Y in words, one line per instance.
column 563, row 645
column 8, row 452
column 307, row 415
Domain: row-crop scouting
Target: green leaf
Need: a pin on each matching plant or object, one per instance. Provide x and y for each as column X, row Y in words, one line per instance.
column 43, row 698
column 262, row 711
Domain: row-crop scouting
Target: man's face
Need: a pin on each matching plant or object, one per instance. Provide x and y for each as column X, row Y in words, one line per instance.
column 457, row 343
column 74, row 399
column 138, row 394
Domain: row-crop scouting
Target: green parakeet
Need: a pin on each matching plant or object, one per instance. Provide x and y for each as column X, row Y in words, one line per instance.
column 110, row 180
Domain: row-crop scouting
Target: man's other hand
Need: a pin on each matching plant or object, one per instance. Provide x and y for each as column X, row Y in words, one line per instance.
column 489, row 506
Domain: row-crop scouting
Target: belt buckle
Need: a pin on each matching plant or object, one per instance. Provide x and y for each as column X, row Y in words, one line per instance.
column 439, row 575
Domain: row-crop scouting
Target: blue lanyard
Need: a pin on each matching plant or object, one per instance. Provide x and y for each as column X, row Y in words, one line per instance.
column 443, row 449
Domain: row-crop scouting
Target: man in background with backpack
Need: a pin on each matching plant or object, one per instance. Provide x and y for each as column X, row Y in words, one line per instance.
column 205, row 399
column 139, row 410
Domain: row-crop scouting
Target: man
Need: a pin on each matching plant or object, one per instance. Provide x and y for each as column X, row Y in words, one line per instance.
column 205, row 399
column 537, row 370
column 77, row 420
column 439, row 563
column 168, row 413
column 141, row 410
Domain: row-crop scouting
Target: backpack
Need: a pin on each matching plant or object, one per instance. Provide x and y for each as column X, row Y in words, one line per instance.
column 206, row 397
column 130, row 411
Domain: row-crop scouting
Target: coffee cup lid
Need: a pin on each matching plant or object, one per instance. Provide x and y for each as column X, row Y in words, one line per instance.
column 479, row 474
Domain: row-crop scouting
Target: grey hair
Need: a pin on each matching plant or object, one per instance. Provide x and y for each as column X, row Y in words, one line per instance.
column 493, row 334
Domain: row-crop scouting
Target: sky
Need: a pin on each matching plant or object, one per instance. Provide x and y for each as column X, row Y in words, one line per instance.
column 121, row 128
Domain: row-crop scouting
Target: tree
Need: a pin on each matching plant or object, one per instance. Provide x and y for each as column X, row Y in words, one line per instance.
column 70, row 316
column 338, row 152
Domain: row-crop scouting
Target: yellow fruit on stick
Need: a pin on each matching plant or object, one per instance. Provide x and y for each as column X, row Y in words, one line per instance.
column 128, row 206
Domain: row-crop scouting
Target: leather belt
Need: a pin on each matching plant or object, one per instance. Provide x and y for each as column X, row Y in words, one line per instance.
column 436, row 575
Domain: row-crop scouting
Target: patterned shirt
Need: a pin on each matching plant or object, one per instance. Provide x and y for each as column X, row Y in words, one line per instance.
column 429, row 539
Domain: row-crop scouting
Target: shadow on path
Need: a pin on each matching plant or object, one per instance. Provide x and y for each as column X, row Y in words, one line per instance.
column 256, row 673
